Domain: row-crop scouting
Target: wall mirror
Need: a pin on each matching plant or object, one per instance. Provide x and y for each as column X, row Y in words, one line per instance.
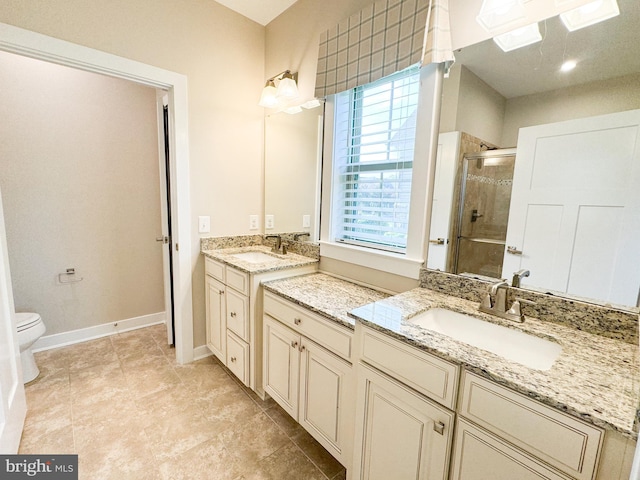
column 292, row 171
column 565, row 206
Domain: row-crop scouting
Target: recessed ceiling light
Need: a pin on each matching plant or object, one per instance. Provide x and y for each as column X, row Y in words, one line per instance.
column 518, row 38
column 589, row 14
column 568, row 66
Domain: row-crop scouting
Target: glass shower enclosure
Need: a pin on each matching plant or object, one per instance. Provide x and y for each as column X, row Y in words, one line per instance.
column 483, row 212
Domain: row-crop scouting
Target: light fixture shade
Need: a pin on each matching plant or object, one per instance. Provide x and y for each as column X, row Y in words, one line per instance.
column 313, row 103
column 495, row 14
column 287, row 88
column 268, row 99
column 589, row 14
column 293, row 110
column 518, row 38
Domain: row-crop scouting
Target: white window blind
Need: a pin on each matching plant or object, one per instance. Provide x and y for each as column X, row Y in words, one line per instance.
column 375, row 128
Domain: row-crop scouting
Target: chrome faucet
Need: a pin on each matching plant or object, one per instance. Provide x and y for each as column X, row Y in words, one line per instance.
column 518, row 276
column 495, row 303
column 278, row 247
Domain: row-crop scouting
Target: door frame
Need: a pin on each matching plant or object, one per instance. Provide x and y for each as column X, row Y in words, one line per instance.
column 42, row 47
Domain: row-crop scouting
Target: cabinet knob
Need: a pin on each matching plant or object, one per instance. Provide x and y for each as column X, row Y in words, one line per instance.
column 297, row 321
column 294, row 344
column 302, row 348
column 233, row 359
column 233, row 314
column 221, row 292
column 439, row 427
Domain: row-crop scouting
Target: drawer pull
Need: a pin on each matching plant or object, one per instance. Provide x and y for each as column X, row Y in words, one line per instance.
column 294, row 344
column 233, row 314
column 297, row 321
column 439, row 428
column 233, row 359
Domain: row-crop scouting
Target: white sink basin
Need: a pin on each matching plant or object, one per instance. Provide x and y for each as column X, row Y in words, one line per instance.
column 529, row 350
column 254, row 257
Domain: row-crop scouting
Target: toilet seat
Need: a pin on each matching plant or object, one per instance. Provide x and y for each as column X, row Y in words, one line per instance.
column 26, row 320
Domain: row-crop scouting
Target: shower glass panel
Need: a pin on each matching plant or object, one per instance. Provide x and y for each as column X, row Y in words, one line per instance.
column 485, row 195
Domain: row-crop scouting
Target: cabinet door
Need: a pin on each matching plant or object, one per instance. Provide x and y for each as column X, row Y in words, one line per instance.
column 238, row 357
column 479, row 455
column 325, row 382
column 215, row 312
column 400, row 434
column 237, row 314
column 281, row 365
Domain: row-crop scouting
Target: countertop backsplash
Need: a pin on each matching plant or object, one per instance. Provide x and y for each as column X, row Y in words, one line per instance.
column 306, row 249
column 596, row 319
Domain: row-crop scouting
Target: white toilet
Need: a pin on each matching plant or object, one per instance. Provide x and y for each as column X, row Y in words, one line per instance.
column 30, row 329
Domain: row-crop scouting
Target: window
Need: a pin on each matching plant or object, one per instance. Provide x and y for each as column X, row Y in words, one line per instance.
column 374, row 138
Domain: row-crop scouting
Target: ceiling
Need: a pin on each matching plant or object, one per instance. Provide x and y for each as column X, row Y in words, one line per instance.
column 606, row 50
column 260, row 11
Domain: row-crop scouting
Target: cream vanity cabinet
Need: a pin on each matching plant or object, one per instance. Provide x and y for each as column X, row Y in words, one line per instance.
column 308, row 373
column 234, row 317
column 404, row 422
column 504, row 435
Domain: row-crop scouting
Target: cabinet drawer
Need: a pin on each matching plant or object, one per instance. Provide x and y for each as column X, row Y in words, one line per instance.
column 237, row 280
column 214, row 269
column 237, row 313
column 238, row 357
column 478, row 455
column 335, row 338
column 562, row 441
column 426, row 373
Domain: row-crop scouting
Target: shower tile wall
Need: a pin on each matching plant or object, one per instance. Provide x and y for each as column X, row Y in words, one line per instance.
column 485, row 215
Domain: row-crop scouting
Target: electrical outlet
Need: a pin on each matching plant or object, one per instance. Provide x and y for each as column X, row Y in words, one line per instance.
column 306, row 221
column 204, row 224
column 269, row 222
column 253, row 222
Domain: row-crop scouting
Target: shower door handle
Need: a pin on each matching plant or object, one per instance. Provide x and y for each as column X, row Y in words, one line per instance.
column 514, row 251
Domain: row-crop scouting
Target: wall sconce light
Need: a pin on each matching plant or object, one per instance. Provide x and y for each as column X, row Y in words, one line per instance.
column 495, row 14
column 589, row 14
column 520, row 37
column 286, row 91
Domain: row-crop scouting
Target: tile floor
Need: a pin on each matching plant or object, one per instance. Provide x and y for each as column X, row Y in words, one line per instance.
column 130, row 411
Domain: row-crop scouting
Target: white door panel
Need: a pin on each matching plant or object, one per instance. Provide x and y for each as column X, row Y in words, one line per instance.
column 13, row 406
column 446, row 164
column 575, row 207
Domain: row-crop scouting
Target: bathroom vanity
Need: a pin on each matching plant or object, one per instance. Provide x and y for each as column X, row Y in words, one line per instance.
column 456, row 410
column 233, row 296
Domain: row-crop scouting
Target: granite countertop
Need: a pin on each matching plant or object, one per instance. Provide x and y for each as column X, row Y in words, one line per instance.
column 595, row 378
column 326, row 295
column 279, row 262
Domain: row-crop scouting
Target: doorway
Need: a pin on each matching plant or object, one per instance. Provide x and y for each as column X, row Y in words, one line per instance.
column 34, row 45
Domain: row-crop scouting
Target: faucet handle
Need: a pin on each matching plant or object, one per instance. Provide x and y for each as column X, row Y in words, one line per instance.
column 516, row 309
column 486, row 303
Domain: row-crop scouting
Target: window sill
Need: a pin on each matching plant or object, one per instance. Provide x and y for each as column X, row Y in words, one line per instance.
column 395, row 263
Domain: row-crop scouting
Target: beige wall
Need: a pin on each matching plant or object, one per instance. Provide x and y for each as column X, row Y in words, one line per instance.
column 470, row 105
column 222, row 55
column 80, row 184
column 595, row 98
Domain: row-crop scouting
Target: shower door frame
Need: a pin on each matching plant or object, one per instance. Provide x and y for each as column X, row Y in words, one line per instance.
column 502, row 152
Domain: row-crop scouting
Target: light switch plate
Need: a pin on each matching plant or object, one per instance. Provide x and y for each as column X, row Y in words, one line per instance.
column 306, row 221
column 204, row 224
column 253, row 222
column 269, row 221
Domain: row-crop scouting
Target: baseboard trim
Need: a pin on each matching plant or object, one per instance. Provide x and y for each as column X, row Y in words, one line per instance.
column 90, row 333
column 201, row 352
